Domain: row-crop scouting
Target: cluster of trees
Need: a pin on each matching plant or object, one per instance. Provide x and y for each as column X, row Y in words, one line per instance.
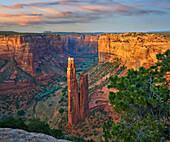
column 33, row 125
column 38, row 126
column 47, row 92
column 142, row 101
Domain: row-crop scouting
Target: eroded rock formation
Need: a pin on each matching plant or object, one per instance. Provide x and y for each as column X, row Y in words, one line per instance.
column 73, row 95
column 78, row 106
column 84, row 93
column 134, row 49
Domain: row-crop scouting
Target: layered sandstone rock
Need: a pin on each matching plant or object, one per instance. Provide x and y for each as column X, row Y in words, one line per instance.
column 73, row 95
column 30, row 50
column 84, row 93
column 78, row 106
column 134, row 49
column 40, row 55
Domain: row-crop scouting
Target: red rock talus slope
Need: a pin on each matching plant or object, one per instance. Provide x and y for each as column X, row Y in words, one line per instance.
column 134, row 49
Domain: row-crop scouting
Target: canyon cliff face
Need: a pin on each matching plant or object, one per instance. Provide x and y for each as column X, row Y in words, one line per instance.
column 25, row 59
column 42, row 56
column 78, row 106
column 29, row 51
column 133, row 49
column 80, row 44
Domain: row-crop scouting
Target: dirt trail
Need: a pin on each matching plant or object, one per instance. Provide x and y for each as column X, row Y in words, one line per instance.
column 34, row 109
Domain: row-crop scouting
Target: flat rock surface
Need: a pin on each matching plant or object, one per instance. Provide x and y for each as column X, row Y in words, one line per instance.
column 18, row 135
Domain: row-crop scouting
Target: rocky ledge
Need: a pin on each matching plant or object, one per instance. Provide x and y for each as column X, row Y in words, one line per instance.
column 17, row 135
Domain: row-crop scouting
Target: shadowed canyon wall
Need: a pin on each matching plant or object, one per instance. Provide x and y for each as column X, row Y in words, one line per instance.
column 29, row 50
column 133, row 49
column 40, row 55
column 23, row 57
column 80, row 44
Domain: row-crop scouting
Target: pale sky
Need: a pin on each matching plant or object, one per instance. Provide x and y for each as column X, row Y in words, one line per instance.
column 84, row 15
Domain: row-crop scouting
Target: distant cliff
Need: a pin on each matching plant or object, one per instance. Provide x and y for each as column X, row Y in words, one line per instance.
column 133, row 49
column 29, row 51
column 80, row 44
column 39, row 54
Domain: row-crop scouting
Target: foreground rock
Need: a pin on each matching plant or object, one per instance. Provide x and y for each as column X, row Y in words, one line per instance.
column 17, row 135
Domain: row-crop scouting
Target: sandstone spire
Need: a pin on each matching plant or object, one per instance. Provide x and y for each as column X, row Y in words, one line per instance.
column 73, row 96
column 78, row 106
column 84, row 92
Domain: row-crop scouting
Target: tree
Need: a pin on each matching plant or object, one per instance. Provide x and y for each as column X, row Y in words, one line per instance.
column 142, row 101
column 61, row 110
column 57, row 133
column 14, row 123
column 91, row 140
column 36, row 125
column 20, row 112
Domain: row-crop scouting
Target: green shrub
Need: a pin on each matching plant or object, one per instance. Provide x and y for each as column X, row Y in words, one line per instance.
column 34, row 125
column 61, row 110
column 20, row 112
column 14, row 123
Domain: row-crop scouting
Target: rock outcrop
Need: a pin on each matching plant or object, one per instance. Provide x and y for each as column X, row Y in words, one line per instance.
column 134, row 49
column 18, row 135
column 84, row 93
column 73, row 95
column 78, row 106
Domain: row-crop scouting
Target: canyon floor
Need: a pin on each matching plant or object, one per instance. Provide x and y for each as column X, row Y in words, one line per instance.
column 48, row 108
